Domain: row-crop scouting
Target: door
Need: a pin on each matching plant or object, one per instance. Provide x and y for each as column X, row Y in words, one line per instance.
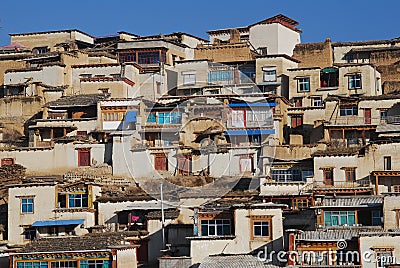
column 246, row 164
column 160, row 162
column 367, row 116
column 184, row 165
column 83, row 157
column 328, row 176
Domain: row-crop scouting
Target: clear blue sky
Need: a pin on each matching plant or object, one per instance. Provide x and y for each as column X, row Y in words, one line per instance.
column 341, row 20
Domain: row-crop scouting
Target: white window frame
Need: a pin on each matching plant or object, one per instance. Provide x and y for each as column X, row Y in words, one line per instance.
column 302, row 82
column 189, row 78
column 315, row 100
column 269, row 73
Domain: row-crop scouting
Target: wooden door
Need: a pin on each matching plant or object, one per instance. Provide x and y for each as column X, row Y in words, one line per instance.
column 328, row 177
column 184, row 164
column 83, row 157
column 367, row 116
column 160, row 162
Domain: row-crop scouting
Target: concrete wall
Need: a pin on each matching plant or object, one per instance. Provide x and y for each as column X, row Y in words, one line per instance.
column 44, row 203
column 277, row 38
column 127, row 258
column 9, row 64
column 57, row 160
column 368, row 243
column 200, row 68
column 49, row 75
column 242, row 243
column 391, row 208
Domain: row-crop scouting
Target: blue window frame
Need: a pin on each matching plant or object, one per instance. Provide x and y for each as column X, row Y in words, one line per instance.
column 95, row 264
column 78, row 200
column 27, row 205
column 32, row 265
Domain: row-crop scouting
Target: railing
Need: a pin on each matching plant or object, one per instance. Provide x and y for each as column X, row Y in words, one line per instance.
column 251, row 124
column 393, row 119
column 356, row 120
column 342, row 185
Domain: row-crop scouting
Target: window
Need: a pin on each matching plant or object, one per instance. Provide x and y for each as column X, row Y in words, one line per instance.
column 285, row 175
column 40, row 50
column 396, row 188
column 297, row 121
column 115, row 76
column 298, row 102
column 151, row 57
column 261, row 229
column 224, row 76
column 348, row 111
column 387, row 163
column 29, row 233
column 78, row 200
column 300, row 204
column 189, row 78
column 328, row 176
column 85, row 75
column 350, row 174
column 303, row 84
column 32, row 264
column 95, row 264
column 340, row 218
column 384, row 258
column 104, row 90
column 64, row 264
column 27, row 205
column 355, row 81
column 316, row 101
column 218, row 227
column 127, row 57
column 383, row 115
column 376, row 218
column 246, row 163
column 269, row 74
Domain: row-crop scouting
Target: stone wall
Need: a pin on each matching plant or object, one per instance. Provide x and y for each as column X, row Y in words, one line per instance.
column 314, row 54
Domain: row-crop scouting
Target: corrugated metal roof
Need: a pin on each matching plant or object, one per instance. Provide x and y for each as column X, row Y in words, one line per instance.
column 351, row 201
column 335, row 234
column 387, row 128
column 234, row 261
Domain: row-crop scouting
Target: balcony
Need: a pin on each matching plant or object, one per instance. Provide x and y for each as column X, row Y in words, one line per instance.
column 395, row 119
column 355, row 121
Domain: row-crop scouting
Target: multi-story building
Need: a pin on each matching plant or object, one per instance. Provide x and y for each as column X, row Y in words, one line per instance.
column 48, row 209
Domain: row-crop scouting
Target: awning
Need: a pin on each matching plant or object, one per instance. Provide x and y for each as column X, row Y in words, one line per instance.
column 130, row 116
column 256, row 104
column 249, row 132
column 57, row 223
column 329, row 70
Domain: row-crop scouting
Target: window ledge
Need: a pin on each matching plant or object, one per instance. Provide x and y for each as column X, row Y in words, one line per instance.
column 222, row 237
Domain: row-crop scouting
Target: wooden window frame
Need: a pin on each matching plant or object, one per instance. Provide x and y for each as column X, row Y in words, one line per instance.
column 261, row 218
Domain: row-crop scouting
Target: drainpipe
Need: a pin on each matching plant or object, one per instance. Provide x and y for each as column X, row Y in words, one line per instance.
column 196, row 222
